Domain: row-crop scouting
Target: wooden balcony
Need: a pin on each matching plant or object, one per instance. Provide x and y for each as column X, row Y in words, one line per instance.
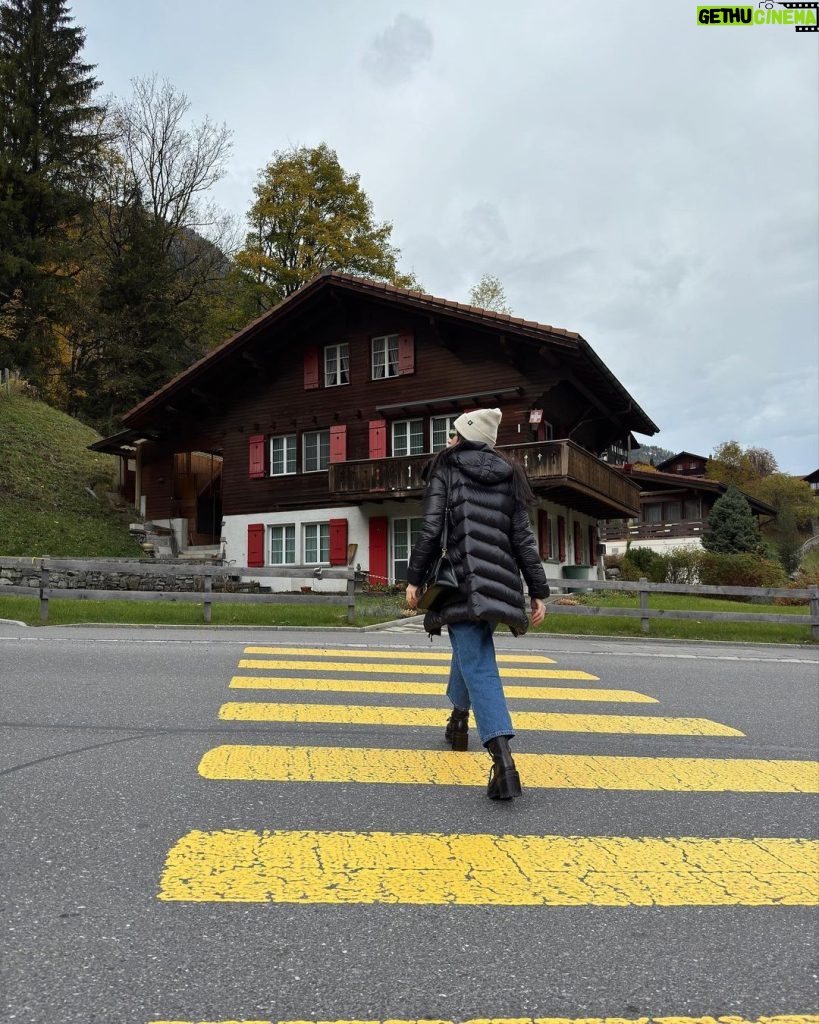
column 685, row 528
column 559, row 471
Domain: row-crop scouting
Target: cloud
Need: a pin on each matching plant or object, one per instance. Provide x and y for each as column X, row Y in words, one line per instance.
column 396, row 52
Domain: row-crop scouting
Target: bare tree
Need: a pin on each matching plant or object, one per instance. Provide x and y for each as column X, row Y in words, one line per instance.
column 172, row 165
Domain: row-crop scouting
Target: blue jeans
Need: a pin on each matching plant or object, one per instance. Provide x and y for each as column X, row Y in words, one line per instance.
column 474, row 680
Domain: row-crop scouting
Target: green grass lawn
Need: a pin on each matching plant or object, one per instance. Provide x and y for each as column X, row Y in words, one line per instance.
column 383, row 608
column 369, row 610
column 679, row 629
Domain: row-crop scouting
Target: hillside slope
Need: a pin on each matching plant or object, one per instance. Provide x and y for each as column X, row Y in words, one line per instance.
column 46, row 475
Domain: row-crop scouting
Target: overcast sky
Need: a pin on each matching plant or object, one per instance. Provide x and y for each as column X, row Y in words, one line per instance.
column 628, row 174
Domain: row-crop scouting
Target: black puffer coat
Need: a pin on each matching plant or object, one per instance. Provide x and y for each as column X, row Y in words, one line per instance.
column 490, row 539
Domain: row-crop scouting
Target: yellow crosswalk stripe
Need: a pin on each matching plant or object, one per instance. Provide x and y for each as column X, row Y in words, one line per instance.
column 346, row 714
column 354, row 652
column 257, row 762
column 235, row 865
column 405, row 668
column 299, row 683
column 804, row 1018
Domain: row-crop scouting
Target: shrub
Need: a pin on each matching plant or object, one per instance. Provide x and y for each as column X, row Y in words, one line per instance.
column 682, row 565
column 745, row 570
column 802, row 580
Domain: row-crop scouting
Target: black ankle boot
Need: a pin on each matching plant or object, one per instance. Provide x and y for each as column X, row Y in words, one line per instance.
column 457, row 729
column 504, row 781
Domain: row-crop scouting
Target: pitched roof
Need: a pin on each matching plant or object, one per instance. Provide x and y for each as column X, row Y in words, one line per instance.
column 682, row 455
column 413, row 300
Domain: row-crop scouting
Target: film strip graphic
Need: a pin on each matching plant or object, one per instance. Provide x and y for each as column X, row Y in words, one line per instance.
column 798, row 6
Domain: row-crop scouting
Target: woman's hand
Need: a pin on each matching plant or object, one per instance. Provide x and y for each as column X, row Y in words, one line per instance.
column 412, row 595
column 538, row 611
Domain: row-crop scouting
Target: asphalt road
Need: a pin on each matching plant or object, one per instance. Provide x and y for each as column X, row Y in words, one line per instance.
column 104, row 732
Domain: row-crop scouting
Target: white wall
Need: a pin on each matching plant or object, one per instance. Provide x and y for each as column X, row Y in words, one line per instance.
column 662, row 545
column 234, row 537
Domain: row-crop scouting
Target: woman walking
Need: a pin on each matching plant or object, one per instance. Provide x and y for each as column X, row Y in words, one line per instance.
column 490, row 543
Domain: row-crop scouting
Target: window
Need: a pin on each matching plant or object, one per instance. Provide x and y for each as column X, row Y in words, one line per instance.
column 405, row 533
column 283, row 455
column 408, row 437
column 385, row 356
column 336, row 365
column 692, row 508
column 673, row 511
column 316, row 450
column 316, row 543
column 283, row 545
column 439, row 427
column 548, row 431
column 654, row 513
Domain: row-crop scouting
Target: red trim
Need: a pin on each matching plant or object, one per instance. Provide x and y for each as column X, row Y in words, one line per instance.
column 592, row 544
column 378, row 549
column 255, row 544
column 338, row 443
column 378, row 439
column 406, row 352
column 311, row 368
column 338, row 542
column 255, row 451
column 544, row 533
column 578, row 544
column 561, row 538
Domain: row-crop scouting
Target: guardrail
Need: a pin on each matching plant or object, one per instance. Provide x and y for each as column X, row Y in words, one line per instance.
column 43, row 568
column 646, row 614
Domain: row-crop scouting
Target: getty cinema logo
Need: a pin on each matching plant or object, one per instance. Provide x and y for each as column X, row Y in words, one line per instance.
column 803, row 16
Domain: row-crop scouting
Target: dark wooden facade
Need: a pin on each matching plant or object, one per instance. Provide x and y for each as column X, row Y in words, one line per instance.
column 673, row 505
column 262, row 384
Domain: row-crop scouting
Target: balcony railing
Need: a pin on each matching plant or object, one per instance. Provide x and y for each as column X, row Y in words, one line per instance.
column 559, row 470
column 652, row 531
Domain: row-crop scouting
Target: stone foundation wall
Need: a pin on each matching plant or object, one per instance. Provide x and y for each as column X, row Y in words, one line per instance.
column 88, row 580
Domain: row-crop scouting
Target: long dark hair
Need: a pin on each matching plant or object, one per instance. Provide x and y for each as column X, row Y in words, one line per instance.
column 523, row 492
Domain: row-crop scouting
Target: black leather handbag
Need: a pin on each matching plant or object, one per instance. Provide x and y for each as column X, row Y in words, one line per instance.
column 441, row 583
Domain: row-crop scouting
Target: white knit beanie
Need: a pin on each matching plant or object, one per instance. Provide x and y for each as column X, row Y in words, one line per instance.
column 480, row 425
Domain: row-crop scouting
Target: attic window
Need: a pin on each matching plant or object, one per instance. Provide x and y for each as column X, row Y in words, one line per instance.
column 385, row 356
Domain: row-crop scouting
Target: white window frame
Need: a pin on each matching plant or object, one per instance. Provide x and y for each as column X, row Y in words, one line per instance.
column 321, row 541
column 405, row 522
column 286, row 533
column 289, row 448
column 435, row 423
column 405, row 448
column 385, row 356
column 549, row 431
column 322, row 444
column 336, row 364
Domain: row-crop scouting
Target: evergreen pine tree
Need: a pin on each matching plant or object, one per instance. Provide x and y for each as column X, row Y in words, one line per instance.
column 733, row 527
column 48, row 145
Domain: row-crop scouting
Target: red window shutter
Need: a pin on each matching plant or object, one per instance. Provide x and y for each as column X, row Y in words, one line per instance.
column 593, row 545
column 561, row 538
column 311, row 368
column 255, row 544
column 378, row 549
column 406, row 352
column 578, row 544
column 338, row 443
column 378, row 439
column 255, row 447
column 338, row 542
column 544, row 536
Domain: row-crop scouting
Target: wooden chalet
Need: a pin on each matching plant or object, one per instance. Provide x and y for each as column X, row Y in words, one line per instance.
column 676, row 500
column 302, row 439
